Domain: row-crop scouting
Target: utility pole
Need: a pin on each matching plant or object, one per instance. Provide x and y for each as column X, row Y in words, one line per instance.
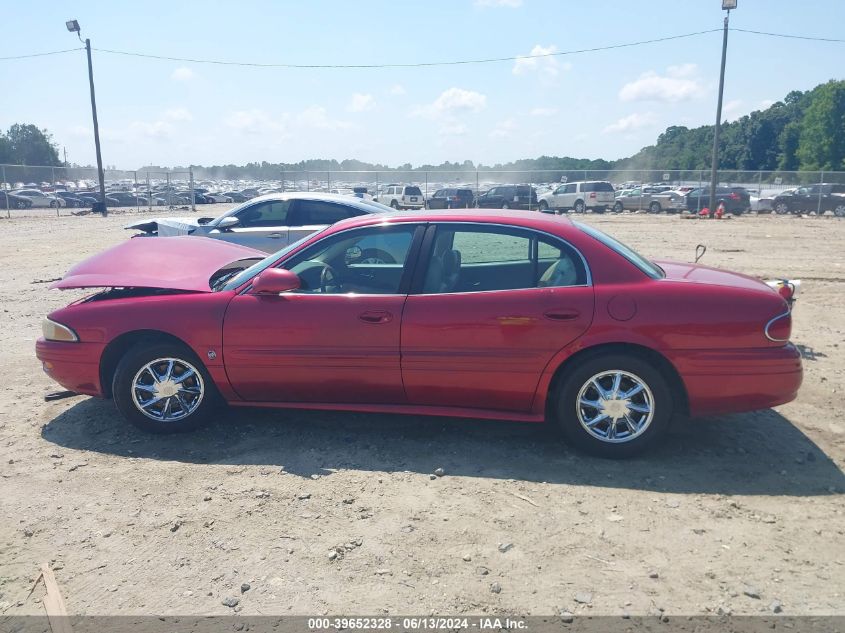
column 727, row 5
column 73, row 27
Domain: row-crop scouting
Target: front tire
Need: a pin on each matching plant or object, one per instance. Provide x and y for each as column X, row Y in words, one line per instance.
column 618, row 207
column 654, row 207
column 781, row 208
column 839, row 210
column 163, row 388
column 544, row 207
column 505, row 205
column 613, row 405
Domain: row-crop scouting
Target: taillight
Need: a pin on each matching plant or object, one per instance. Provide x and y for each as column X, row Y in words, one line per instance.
column 779, row 328
column 734, row 196
column 592, row 194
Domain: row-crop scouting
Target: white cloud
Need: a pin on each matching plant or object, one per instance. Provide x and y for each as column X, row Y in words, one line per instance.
column 512, row 4
column 452, row 101
column 361, row 102
column 453, row 129
column 257, row 122
column 151, row 129
column 766, row 103
column 397, row 90
column 183, row 73
column 81, row 131
column 178, row 114
column 540, row 59
column 676, row 85
column 732, row 109
column 318, row 117
column 503, row 129
column 631, row 122
column 543, row 112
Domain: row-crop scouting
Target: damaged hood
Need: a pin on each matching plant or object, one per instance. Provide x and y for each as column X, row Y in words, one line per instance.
column 167, row 227
column 172, row 263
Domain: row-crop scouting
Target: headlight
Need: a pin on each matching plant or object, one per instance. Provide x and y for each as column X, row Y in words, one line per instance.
column 57, row 332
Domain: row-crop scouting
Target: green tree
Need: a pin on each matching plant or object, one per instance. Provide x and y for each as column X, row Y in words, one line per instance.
column 821, row 144
column 31, row 146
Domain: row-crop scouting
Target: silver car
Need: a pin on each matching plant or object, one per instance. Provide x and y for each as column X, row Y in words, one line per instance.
column 267, row 223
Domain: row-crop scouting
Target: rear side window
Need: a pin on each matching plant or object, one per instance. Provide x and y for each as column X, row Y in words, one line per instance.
column 597, row 186
column 413, row 191
column 310, row 212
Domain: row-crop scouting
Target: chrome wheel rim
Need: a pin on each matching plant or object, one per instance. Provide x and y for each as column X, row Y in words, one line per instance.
column 615, row 406
column 839, row 211
column 167, row 389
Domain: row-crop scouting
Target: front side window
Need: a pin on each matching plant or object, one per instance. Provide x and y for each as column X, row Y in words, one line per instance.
column 479, row 259
column 265, row 214
column 361, row 261
column 316, row 212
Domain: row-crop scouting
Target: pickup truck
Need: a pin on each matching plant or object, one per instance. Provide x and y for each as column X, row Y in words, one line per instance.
column 822, row 197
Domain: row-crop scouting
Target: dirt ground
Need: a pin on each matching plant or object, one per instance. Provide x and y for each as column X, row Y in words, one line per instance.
column 332, row 513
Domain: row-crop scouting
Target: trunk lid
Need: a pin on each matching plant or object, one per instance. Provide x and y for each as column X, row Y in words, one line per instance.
column 681, row 271
column 171, row 263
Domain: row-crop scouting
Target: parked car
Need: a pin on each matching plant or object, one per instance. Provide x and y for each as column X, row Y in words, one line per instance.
column 361, row 192
column 451, row 199
column 502, row 315
column 91, row 198
column 219, row 197
column 641, row 199
column 268, row 222
column 40, row 199
column 9, row 200
column 822, row 197
column 737, row 200
column 402, row 197
column 127, row 199
column 597, row 195
column 236, row 196
column 508, row 197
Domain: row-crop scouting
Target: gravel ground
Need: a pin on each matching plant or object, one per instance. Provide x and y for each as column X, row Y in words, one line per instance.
column 314, row 512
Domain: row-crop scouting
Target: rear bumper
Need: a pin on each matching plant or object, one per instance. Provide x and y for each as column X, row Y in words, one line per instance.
column 731, row 381
column 75, row 366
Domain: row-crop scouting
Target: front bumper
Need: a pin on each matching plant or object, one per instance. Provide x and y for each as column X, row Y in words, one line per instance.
column 75, row 366
column 732, row 381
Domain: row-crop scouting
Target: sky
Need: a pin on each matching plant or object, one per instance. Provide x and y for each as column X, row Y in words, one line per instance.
column 603, row 104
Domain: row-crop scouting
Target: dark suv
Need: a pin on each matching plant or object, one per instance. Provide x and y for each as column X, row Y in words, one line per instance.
column 451, row 199
column 822, row 197
column 508, row 197
column 736, row 199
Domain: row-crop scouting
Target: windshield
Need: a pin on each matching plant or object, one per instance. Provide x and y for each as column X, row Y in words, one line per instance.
column 652, row 270
column 236, row 278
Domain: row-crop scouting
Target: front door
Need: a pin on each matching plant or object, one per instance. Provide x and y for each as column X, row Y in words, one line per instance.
column 495, row 305
column 262, row 225
column 336, row 339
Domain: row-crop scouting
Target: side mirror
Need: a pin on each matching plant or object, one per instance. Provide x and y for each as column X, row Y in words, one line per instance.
column 273, row 281
column 228, row 222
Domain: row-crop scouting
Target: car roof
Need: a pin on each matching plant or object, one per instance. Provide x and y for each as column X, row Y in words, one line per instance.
column 364, row 205
column 524, row 219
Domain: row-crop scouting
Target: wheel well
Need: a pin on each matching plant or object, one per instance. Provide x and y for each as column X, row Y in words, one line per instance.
column 115, row 350
column 655, row 358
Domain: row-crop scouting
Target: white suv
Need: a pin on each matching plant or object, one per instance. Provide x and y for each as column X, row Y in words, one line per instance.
column 402, row 197
column 597, row 195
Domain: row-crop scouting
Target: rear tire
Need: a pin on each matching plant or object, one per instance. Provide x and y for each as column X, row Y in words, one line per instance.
column 544, row 207
column 839, row 211
column 580, row 207
column 505, row 205
column 394, row 205
column 636, row 429
column 163, row 388
column 618, row 207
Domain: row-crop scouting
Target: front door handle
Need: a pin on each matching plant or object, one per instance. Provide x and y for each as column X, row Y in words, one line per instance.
column 376, row 316
column 561, row 315
column 275, row 236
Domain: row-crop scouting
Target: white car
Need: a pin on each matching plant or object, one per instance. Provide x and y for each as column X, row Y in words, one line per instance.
column 41, row 199
column 267, row 223
column 597, row 195
column 402, row 197
column 218, row 197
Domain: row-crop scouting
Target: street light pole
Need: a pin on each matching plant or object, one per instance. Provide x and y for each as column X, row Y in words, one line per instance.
column 714, row 166
column 73, row 27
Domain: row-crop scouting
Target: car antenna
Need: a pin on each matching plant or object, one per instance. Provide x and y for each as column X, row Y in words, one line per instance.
column 700, row 249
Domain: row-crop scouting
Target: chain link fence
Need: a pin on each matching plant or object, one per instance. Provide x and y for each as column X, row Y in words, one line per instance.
column 58, row 190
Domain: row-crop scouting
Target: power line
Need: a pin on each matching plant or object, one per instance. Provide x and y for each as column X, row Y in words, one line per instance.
column 407, row 65
column 794, row 37
column 67, row 50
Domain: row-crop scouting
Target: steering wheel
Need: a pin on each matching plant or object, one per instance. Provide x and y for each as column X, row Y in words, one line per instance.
column 329, row 279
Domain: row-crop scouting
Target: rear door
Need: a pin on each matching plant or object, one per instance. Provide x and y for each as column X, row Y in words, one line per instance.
column 489, row 308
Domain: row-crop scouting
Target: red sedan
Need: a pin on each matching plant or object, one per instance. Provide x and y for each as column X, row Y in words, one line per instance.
column 480, row 314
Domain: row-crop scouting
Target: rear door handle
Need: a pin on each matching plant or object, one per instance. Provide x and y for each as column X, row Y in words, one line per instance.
column 376, row 316
column 561, row 315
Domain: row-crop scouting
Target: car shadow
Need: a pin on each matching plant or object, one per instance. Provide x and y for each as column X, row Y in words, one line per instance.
column 759, row 453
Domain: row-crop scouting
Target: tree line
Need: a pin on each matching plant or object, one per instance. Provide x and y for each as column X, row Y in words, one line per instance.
column 805, row 131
